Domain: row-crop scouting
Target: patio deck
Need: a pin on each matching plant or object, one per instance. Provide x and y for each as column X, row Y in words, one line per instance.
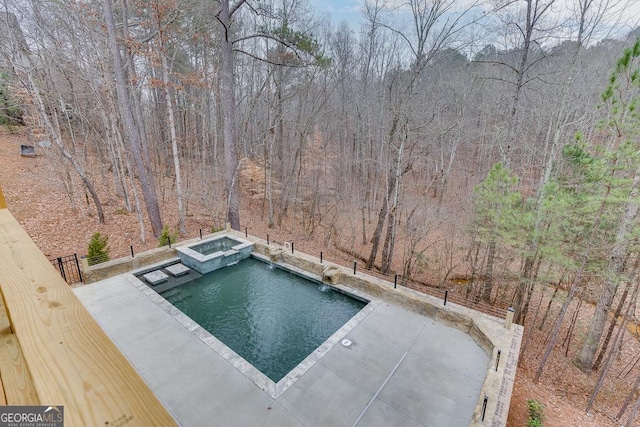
column 402, row 369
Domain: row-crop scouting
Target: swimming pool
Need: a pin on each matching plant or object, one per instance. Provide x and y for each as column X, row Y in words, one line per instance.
column 271, row 317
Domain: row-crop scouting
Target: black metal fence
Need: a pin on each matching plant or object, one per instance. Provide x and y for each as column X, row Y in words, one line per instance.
column 399, row 281
column 69, row 268
column 99, row 259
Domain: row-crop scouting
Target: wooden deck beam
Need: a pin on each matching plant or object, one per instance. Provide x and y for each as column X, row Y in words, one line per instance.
column 70, row 360
column 16, row 380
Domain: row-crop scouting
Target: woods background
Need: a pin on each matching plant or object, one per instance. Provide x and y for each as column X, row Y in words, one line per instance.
column 490, row 148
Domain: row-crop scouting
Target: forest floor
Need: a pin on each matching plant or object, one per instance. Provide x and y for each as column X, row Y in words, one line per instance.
column 37, row 196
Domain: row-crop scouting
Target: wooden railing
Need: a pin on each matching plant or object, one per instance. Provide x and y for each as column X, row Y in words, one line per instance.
column 52, row 352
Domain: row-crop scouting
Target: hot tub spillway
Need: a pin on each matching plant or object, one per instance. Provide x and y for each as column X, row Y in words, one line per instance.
column 211, row 254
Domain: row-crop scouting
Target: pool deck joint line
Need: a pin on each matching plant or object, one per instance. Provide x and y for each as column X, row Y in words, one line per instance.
column 393, row 371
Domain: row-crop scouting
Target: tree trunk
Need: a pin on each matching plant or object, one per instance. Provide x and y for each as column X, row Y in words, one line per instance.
column 487, row 283
column 118, row 165
column 384, row 209
column 612, row 279
column 524, row 285
column 387, row 249
column 122, row 91
column 269, row 178
column 630, row 396
column 554, row 332
column 612, row 325
column 377, row 233
column 174, row 143
column 527, row 302
column 573, row 289
column 546, row 312
column 567, row 340
column 139, row 121
column 129, row 169
column 228, row 104
column 612, row 354
column 634, row 412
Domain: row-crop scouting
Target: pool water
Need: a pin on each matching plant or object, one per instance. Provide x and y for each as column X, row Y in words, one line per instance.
column 272, row 318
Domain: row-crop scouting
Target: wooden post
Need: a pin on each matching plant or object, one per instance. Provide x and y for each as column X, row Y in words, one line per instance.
column 3, row 204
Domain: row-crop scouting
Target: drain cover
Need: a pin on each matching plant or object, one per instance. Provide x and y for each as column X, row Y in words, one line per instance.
column 346, row 342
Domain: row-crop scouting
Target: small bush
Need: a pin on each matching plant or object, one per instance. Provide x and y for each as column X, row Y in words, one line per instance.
column 215, row 229
column 98, row 249
column 536, row 413
column 534, row 422
column 166, row 235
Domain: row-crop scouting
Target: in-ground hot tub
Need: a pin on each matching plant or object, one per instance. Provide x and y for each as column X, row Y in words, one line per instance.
column 212, row 254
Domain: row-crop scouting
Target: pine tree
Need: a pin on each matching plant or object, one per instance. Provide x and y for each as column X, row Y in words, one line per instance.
column 168, row 236
column 98, row 249
column 499, row 218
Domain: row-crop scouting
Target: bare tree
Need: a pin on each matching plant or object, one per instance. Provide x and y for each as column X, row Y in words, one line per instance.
column 130, row 127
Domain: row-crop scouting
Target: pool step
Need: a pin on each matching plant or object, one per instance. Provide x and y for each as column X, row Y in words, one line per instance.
column 177, row 270
column 155, row 277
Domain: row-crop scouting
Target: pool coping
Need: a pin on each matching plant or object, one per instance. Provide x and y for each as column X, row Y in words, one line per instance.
column 273, row 389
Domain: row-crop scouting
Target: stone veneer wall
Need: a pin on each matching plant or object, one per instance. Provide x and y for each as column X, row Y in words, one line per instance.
column 114, row 267
column 490, row 333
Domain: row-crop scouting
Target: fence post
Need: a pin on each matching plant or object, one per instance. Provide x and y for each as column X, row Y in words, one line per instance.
column 246, row 232
column 395, row 281
column 132, row 254
column 292, row 247
column 446, row 294
column 201, row 234
column 320, row 257
column 61, row 267
column 355, row 264
column 267, row 240
column 75, row 256
column 484, row 407
column 169, row 239
column 498, row 359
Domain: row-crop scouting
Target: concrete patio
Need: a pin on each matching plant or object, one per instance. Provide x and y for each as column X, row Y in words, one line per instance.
column 403, row 369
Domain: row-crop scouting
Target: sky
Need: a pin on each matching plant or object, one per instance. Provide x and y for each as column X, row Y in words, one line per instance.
column 339, row 10
column 350, row 11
